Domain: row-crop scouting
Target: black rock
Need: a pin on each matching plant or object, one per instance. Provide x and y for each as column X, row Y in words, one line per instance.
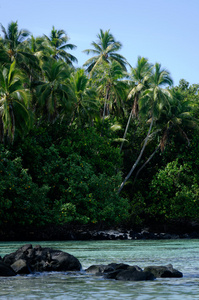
column 6, row 270
column 28, row 259
column 164, row 271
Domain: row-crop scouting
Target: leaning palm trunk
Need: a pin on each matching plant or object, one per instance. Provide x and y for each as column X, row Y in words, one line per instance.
column 138, row 159
column 126, row 129
column 146, row 162
column 134, row 112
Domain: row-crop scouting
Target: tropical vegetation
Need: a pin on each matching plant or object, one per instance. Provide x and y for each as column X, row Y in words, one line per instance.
column 107, row 143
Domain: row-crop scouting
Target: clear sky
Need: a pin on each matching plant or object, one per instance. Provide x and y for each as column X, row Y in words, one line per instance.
column 164, row 31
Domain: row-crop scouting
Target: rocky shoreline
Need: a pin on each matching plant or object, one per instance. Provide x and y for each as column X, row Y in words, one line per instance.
column 28, row 259
column 91, row 232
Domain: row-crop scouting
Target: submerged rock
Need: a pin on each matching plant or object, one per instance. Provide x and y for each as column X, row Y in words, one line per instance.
column 134, row 275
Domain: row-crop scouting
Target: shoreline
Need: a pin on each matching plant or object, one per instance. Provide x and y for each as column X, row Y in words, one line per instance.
column 173, row 230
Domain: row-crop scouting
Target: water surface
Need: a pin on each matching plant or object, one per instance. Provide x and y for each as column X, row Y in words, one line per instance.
column 182, row 254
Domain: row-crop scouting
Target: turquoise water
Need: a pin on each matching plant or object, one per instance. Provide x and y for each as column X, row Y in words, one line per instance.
column 182, row 254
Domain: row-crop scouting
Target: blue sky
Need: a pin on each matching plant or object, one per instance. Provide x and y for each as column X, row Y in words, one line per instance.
column 164, row 31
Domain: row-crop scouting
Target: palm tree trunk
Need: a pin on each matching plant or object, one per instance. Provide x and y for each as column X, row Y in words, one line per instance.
column 126, row 129
column 104, row 111
column 105, row 103
column 139, row 157
column 146, row 162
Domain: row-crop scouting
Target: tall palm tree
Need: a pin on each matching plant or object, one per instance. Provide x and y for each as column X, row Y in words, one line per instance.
column 13, row 37
column 57, row 44
column 178, row 119
column 14, row 46
column 110, row 86
column 139, row 77
column 105, row 49
column 14, row 100
column 36, row 46
column 153, row 101
column 86, row 106
column 55, row 94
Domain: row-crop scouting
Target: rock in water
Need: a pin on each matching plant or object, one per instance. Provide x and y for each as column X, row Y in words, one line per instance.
column 134, row 275
column 6, row 270
column 21, row 266
column 164, row 271
column 29, row 259
column 120, row 272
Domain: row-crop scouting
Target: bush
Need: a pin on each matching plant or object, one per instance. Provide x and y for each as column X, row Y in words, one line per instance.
column 174, row 192
column 72, row 179
column 21, row 200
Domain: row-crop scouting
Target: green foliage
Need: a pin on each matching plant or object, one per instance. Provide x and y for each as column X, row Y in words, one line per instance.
column 94, row 196
column 174, row 192
column 21, row 200
column 79, row 174
column 67, row 169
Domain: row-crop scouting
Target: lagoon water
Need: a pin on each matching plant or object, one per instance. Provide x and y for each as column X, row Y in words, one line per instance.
column 182, row 254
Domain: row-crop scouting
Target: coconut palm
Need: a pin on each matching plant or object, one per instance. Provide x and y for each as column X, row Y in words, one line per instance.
column 57, row 44
column 139, row 77
column 105, row 49
column 14, row 46
column 153, row 101
column 86, row 106
column 13, row 37
column 14, row 100
column 36, row 46
column 110, row 86
column 55, row 94
column 177, row 120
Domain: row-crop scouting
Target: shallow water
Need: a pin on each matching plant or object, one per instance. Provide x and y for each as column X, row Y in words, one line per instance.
column 182, row 254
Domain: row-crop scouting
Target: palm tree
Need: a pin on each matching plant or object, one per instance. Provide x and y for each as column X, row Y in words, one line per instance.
column 139, row 77
column 13, row 43
column 153, row 101
column 13, row 37
column 86, row 105
column 14, row 100
column 110, row 86
column 36, row 46
column 178, row 119
column 57, row 44
column 105, row 49
column 14, row 47
column 55, row 94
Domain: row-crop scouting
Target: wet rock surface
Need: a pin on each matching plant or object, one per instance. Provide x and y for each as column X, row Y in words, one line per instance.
column 29, row 259
column 164, row 271
column 6, row 270
column 133, row 273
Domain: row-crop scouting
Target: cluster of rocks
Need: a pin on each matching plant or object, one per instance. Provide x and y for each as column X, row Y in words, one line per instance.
column 29, row 259
column 133, row 273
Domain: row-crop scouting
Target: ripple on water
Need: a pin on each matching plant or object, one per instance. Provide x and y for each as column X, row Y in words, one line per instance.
column 183, row 254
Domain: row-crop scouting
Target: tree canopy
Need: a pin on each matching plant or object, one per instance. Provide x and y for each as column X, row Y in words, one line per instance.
column 77, row 138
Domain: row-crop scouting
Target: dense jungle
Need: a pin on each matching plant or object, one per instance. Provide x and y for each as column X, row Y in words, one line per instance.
column 107, row 144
